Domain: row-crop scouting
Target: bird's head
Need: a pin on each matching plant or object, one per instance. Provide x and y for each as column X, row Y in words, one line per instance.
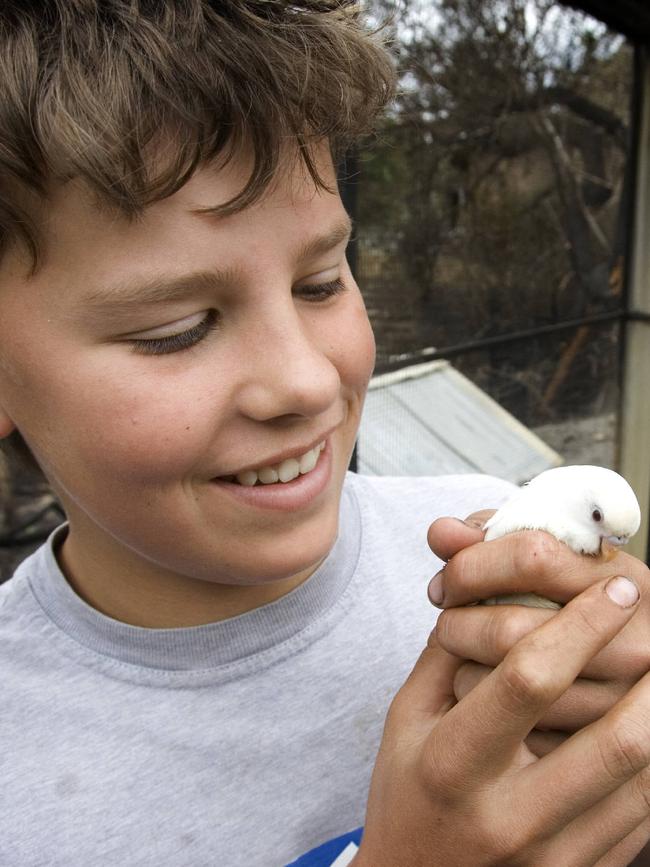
column 598, row 501
column 616, row 524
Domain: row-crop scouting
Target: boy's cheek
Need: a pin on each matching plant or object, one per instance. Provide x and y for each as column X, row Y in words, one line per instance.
column 6, row 424
column 356, row 349
column 121, row 440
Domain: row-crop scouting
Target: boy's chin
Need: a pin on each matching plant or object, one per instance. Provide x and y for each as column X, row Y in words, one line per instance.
column 276, row 557
column 281, row 567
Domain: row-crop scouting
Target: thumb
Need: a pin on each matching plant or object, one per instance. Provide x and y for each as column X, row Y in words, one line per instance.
column 447, row 536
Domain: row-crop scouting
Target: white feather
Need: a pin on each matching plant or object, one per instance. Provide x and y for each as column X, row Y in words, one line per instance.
column 579, row 505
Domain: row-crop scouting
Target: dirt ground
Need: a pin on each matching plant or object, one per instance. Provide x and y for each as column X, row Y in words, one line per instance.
column 583, row 441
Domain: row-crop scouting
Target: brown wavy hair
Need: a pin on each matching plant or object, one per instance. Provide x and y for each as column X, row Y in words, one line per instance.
column 131, row 96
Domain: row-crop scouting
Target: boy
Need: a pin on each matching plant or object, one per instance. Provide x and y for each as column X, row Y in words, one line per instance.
column 197, row 666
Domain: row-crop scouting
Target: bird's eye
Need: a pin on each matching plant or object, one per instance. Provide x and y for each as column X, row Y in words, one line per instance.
column 597, row 515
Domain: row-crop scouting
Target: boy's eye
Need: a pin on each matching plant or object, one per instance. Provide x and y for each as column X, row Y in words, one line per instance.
column 176, row 342
column 321, row 291
column 180, row 340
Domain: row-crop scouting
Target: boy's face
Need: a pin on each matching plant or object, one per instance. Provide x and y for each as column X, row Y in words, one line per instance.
column 137, row 441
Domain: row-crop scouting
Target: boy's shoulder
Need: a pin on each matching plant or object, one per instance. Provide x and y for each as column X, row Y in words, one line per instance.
column 14, row 590
column 408, row 499
column 395, row 514
column 21, row 611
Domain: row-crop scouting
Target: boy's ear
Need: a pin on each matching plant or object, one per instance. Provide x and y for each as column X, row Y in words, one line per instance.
column 6, row 424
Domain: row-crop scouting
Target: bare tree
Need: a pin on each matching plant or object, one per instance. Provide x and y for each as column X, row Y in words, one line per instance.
column 501, row 170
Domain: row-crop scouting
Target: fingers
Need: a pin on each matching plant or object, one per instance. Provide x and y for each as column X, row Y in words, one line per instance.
column 486, row 633
column 542, row 743
column 611, row 833
column 428, row 691
column 608, row 758
column 528, row 561
column 635, row 844
column 584, row 702
column 495, row 717
column 447, row 536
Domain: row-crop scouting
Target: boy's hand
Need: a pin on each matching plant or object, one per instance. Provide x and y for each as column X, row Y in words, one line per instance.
column 535, row 562
column 454, row 784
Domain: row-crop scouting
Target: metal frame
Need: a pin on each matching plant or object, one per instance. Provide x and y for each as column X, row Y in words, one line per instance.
column 635, row 410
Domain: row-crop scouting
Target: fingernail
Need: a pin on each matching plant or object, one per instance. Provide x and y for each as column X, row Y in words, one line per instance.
column 623, row 591
column 435, row 589
column 470, row 522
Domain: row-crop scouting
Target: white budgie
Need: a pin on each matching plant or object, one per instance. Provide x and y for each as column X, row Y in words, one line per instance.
column 585, row 507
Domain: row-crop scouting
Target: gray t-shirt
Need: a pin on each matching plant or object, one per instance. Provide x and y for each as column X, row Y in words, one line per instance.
column 243, row 743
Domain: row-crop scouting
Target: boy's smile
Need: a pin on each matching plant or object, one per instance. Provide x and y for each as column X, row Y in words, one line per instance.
column 169, row 372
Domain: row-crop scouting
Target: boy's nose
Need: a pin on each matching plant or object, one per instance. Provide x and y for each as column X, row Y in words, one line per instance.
column 289, row 371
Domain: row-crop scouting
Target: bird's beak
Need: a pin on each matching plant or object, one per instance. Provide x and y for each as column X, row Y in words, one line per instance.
column 617, row 541
column 610, row 544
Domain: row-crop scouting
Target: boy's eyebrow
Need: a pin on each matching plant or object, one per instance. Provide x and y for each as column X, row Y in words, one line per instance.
column 154, row 290
column 337, row 234
column 161, row 288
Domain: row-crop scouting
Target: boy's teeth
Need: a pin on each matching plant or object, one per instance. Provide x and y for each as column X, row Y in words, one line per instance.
column 288, row 470
column 285, row 471
column 267, row 475
column 308, row 461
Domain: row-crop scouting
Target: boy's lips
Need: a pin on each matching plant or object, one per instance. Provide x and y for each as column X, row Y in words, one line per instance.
column 284, row 496
column 278, row 457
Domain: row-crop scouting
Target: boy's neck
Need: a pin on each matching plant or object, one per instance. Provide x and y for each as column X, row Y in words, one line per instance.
column 153, row 599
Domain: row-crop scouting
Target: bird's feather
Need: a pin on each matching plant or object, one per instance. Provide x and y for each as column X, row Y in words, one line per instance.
column 586, row 507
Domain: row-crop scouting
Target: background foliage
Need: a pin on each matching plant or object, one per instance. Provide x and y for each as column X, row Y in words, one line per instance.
column 493, row 201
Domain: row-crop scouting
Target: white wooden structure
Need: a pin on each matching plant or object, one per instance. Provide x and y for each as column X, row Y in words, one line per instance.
column 428, row 420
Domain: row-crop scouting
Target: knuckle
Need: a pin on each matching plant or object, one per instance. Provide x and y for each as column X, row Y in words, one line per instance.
column 498, row 847
column 399, row 714
column 469, row 675
column 443, row 633
column 644, row 575
column 624, row 750
column 395, row 713
column 457, row 568
column 536, row 554
column 637, row 568
column 507, row 841
column 586, row 623
column 637, row 662
column 641, row 787
column 441, row 773
column 398, row 723
column 524, row 683
column 480, row 517
column 506, row 627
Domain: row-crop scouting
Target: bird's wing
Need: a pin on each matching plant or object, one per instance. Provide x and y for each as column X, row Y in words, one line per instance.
column 537, row 510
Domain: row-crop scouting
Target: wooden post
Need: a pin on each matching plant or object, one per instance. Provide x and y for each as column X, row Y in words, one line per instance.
column 635, row 415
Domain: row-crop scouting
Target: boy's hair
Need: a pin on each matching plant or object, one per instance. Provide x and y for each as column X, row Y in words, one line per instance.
column 131, row 96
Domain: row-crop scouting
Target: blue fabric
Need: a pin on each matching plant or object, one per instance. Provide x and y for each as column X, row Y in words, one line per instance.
column 326, row 855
